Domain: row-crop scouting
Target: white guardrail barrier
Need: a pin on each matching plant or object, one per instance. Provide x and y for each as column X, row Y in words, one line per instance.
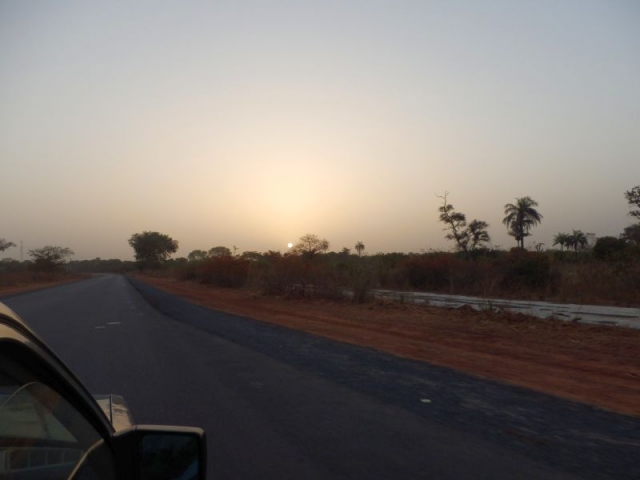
column 596, row 314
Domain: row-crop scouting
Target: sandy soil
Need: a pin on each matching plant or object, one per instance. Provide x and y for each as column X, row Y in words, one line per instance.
column 599, row 365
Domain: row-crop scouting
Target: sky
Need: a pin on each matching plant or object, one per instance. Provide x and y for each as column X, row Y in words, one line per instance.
column 252, row 123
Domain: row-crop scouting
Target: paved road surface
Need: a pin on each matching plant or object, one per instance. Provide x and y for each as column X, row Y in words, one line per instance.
column 283, row 404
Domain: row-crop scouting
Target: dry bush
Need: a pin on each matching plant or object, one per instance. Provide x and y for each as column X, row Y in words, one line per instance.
column 602, row 282
column 444, row 272
column 523, row 271
column 428, row 272
column 16, row 279
column 275, row 274
column 559, row 276
column 26, row 278
column 297, row 275
column 225, row 271
column 188, row 271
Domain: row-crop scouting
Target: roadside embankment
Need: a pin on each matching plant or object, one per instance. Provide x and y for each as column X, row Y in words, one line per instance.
column 594, row 364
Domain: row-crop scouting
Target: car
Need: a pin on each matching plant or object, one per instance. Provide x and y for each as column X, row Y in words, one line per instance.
column 52, row 428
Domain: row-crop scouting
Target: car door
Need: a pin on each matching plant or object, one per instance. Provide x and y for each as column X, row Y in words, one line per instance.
column 49, row 426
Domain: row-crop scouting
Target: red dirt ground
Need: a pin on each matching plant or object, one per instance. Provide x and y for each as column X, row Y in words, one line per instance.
column 599, row 365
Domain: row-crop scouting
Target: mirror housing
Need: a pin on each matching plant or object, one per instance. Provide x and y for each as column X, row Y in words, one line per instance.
column 154, row 452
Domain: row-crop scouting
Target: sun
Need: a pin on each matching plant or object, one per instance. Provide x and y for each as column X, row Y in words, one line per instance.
column 289, row 244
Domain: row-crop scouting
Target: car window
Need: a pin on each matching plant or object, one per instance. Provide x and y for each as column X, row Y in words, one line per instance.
column 41, row 434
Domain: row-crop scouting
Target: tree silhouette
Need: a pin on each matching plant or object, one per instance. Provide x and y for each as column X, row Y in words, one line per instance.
column 633, row 197
column 219, row 251
column 577, row 240
column 5, row 244
column 152, row 248
column 359, row 248
column 50, row 258
column 478, row 234
column 520, row 217
column 310, row 245
column 561, row 239
column 467, row 237
column 632, row 234
column 197, row 255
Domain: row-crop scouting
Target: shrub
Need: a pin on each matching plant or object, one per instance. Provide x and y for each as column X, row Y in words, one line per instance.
column 431, row 272
column 608, row 247
column 527, row 270
column 224, row 271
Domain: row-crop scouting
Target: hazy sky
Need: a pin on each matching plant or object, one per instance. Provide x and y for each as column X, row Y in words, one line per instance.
column 251, row 123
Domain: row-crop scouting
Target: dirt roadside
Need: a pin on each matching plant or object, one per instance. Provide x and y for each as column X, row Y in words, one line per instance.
column 598, row 365
column 6, row 290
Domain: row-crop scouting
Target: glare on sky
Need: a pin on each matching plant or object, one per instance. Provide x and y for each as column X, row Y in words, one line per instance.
column 254, row 123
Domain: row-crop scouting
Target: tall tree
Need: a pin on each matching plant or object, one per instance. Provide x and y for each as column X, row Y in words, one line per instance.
column 310, row 245
column 632, row 234
column 520, row 217
column 4, row 244
column 456, row 223
column 359, row 248
column 577, row 240
column 633, row 197
column 467, row 237
column 152, row 249
column 561, row 239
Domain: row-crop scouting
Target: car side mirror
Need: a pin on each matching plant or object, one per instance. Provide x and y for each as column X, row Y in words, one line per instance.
column 150, row 452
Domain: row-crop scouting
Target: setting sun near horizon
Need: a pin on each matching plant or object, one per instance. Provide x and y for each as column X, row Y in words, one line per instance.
column 227, row 124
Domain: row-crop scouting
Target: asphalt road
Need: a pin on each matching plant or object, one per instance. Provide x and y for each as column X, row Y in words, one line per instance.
column 277, row 403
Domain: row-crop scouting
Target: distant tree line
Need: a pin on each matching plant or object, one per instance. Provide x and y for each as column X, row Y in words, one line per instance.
column 310, row 269
column 605, row 269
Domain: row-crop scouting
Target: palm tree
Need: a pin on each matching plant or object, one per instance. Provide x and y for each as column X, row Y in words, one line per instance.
column 520, row 217
column 577, row 240
column 562, row 240
column 359, row 248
